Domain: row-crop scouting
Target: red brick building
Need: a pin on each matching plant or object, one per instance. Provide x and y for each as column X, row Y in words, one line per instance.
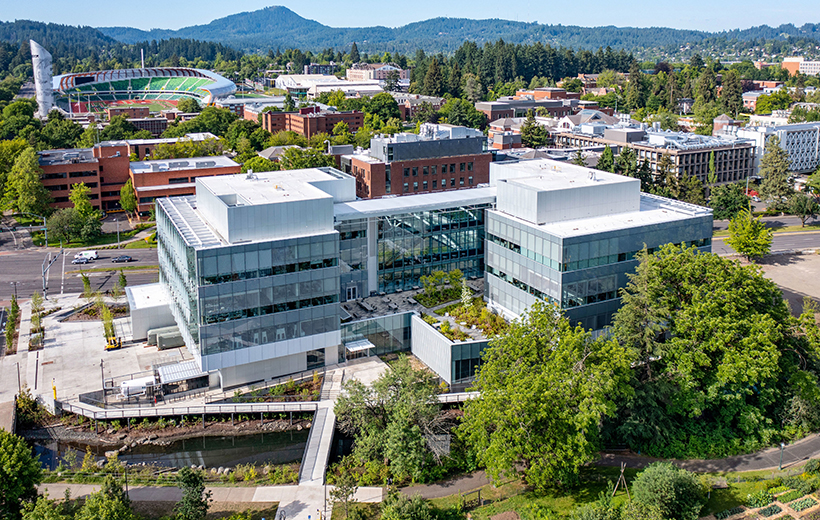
column 440, row 158
column 175, row 177
column 310, row 121
column 127, row 111
column 106, row 168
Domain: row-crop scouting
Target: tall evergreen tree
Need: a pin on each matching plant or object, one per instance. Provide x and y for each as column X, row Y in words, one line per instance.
column 607, row 160
column 732, row 93
column 433, row 79
column 774, row 168
column 354, row 53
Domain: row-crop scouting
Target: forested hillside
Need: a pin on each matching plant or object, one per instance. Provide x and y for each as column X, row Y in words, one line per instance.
column 278, row 27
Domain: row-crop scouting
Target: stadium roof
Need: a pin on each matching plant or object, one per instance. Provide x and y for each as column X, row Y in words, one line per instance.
column 218, row 88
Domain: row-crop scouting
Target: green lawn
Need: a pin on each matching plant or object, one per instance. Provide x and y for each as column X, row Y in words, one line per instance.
column 514, row 496
column 784, row 229
column 115, row 267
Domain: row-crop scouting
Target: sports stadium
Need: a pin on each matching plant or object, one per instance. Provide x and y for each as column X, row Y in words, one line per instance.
column 161, row 87
column 156, row 84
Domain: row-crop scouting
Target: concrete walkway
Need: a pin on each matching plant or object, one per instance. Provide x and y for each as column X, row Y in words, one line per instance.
column 296, row 501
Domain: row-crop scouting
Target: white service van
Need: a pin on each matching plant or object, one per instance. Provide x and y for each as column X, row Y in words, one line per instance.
column 91, row 255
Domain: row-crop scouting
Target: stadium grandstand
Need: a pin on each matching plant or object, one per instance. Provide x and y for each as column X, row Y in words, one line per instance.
column 158, row 83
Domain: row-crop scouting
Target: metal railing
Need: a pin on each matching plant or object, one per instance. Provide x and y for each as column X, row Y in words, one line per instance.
column 459, row 397
column 263, row 387
column 207, row 409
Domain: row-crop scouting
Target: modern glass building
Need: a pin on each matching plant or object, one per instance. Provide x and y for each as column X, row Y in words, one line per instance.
column 388, row 244
column 252, row 267
column 568, row 235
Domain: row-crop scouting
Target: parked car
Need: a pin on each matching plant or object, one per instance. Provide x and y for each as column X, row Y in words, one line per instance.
column 81, row 260
column 122, row 258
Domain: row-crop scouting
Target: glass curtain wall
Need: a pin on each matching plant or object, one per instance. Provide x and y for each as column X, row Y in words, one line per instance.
column 413, row 245
column 177, row 262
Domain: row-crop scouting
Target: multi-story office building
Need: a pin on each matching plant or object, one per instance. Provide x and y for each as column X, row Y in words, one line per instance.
column 258, row 301
column 155, row 125
column 377, row 71
column 309, row 121
column 174, row 177
column 568, row 235
column 689, row 153
column 801, row 141
column 388, row 244
column 106, row 168
column 251, row 266
column 439, row 158
column 800, row 64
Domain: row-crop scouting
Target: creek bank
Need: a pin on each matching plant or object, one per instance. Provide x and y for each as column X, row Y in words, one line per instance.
column 125, row 439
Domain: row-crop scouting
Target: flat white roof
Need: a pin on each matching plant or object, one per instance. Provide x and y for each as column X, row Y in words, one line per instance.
column 654, row 210
column 147, row 296
column 547, row 175
column 413, row 203
column 270, row 187
column 193, row 163
column 141, row 189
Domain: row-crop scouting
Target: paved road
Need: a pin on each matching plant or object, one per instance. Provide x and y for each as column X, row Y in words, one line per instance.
column 25, row 268
column 780, row 242
column 772, row 222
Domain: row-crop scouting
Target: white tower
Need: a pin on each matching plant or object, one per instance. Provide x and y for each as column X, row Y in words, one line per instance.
column 43, row 83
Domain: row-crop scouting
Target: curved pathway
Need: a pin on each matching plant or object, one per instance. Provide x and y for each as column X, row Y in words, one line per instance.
column 793, row 455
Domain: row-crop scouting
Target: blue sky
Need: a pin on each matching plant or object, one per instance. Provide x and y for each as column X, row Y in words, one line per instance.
column 708, row 15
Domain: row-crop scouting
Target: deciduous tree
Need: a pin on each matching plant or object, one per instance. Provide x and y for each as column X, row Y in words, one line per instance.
column 24, row 191
column 544, row 389
column 390, row 419
column 20, row 473
column 749, row 236
column 804, row 206
column 128, row 198
column 728, row 200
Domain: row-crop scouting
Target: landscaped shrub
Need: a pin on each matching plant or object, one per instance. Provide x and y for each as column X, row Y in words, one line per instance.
column 759, row 499
column 791, row 495
column 770, row 511
column 723, row 515
column 803, row 485
column 812, row 466
column 802, row 504
column 779, row 489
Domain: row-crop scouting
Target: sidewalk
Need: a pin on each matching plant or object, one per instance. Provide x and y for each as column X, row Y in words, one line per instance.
column 293, row 499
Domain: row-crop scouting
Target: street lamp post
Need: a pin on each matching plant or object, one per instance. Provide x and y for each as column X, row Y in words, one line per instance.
column 118, row 232
column 15, row 288
column 780, row 466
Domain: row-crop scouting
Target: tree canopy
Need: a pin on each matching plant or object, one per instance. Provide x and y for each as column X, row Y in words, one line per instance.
column 749, row 236
column 391, row 418
column 544, row 389
column 20, row 472
column 718, row 360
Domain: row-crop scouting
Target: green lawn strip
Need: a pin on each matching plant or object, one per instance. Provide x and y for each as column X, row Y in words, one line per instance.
column 784, row 229
column 140, row 244
column 514, row 496
column 115, row 267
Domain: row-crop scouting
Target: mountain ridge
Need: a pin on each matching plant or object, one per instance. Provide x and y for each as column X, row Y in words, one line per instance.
column 278, row 26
